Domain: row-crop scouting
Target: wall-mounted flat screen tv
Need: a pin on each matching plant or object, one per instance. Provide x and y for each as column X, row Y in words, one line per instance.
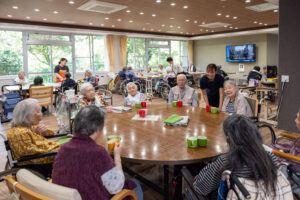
column 241, row 53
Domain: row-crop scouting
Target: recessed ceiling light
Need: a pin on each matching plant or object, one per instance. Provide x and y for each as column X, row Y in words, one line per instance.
column 172, row 18
column 171, row 26
column 172, row 4
column 158, row 1
column 15, row 7
column 153, row 15
column 163, row 25
column 141, row 13
column 203, row 23
column 27, row 17
column 247, row 1
column 236, row 28
column 195, row 21
column 10, row 16
column 36, row 10
column 225, row 26
column 151, row 29
column 193, row 33
column 113, row 26
column 219, row 14
column 101, row 24
column 144, row 29
column 260, row 23
column 128, row 11
column 231, row 27
column 90, row 23
column 130, row 21
column 187, row 20
column 159, row 30
column 71, row 2
column 212, row 31
column 55, row 12
column 181, row 32
column 266, row 24
column 234, row 17
column 206, row 30
column 45, row 19
column 185, row 7
column 187, row 33
column 255, row 22
column 178, row 27
column 227, row 16
column 201, row 29
column 275, row 10
column 147, row 23
column 106, row 18
column 119, row 20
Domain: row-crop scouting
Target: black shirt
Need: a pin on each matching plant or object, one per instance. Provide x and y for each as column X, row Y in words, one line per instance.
column 254, row 75
column 58, row 67
column 212, row 88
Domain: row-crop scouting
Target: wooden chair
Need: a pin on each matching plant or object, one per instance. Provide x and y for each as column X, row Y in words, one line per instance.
column 28, row 194
column 44, row 95
column 199, row 98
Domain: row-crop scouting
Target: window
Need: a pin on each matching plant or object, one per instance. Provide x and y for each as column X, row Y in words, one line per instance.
column 99, row 52
column 11, row 52
column 37, row 36
column 136, row 53
column 179, row 52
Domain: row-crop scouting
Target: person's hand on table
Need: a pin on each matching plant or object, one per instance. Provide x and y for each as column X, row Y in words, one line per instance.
column 40, row 129
column 117, row 149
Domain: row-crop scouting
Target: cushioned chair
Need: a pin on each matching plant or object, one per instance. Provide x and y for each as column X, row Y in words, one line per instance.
column 44, row 95
column 30, row 187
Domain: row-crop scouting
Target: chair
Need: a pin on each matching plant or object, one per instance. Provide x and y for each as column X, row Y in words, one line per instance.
column 44, row 95
column 31, row 187
column 199, row 98
column 266, row 129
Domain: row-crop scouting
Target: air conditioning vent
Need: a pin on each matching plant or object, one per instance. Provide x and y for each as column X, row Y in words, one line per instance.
column 101, row 7
column 215, row 25
column 263, row 7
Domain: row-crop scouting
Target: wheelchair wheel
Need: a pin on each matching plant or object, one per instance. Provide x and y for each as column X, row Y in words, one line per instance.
column 8, row 172
column 139, row 88
column 111, row 85
column 267, row 133
column 123, row 88
column 164, row 91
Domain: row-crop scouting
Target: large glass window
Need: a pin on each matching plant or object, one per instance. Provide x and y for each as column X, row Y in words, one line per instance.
column 37, row 36
column 99, row 53
column 179, row 52
column 82, row 53
column 11, row 52
column 136, row 53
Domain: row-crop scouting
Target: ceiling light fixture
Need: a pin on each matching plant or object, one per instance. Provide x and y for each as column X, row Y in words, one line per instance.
column 141, row 13
column 55, row 12
column 231, row 27
column 236, row 28
column 36, row 10
column 10, row 16
column 247, row 1
column 130, row 21
column 144, row 29
column 45, row 19
column 171, row 26
column 203, row 23
column 151, row 29
column 158, row 1
column 234, row 17
column 163, row 25
column 187, row 20
column 101, row 24
column 260, row 23
column 266, row 24
column 178, row 27
column 172, row 4
column 27, row 17
column 172, row 18
column 195, row 21
column 71, row 2
column 113, row 26
column 159, row 30
column 212, row 31
column 227, row 16
column 201, row 29
column 219, row 14
column 128, row 11
column 206, row 30
column 15, row 7
column 275, row 11
column 255, row 22
column 106, row 18
column 153, row 15
column 119, row 20
column 90, row 23
column 185, row 7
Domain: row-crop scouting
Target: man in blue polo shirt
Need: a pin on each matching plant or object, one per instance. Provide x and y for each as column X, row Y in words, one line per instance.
column 211, row 85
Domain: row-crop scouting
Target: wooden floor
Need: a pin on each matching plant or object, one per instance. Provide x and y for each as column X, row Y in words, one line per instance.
column 152, row 172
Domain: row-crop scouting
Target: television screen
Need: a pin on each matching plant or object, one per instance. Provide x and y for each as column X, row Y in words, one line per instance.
column 241, row 53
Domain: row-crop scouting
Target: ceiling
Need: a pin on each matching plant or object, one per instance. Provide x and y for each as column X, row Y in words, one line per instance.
column 172, row 17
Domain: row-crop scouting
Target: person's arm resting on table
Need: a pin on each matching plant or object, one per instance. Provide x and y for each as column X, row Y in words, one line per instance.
column 221, row 91
column 170, row 97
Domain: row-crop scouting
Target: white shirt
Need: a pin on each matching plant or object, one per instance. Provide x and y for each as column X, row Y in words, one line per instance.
column 176, row 68
column 162, row 71
column 18, row 80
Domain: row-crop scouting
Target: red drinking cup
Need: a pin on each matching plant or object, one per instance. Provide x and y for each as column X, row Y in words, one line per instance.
column 208, row 108
column 179, row 103
column 142, row 113
column 144, row 104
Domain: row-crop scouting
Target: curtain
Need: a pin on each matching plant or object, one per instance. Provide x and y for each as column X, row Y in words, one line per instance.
column 110, row 45
column 191, row 51
column 123, row 49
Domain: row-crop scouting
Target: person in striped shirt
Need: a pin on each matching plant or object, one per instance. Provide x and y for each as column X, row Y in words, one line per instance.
column 246, row 158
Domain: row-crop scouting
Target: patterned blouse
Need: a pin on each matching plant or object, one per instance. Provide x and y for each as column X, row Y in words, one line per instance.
column 99, row 101
column 24, row 141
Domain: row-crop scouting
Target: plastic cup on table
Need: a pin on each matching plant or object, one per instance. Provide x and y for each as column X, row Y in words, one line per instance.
column 179, row 103
column 142, row 113
column 108, row 108
column 208, row 108
column 144, row 104
column 137, row 105
column 111, row 144
column 214, row 110
column 192, row 142
column 174, row 103
column 202, row 141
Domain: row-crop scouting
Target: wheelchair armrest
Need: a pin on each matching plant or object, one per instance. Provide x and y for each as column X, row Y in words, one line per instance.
column 41, row 155
column 240, row 186
column 187, row 176
column 125, row 193
column 282, row 137
column 56, row 135
column 291, row 136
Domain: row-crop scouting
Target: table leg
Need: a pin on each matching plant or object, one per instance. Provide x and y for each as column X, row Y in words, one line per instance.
column 166, row 182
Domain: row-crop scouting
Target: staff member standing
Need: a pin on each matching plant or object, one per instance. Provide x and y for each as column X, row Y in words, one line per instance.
column 211, row 85
column 60, row 70
column 175, row 67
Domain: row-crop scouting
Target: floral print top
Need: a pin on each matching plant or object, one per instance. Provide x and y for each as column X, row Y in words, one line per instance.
column 24, row 141
column 98, row 101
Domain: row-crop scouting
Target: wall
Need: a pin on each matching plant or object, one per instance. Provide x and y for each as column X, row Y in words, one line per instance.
column 272, row 49
column 214, row 51
column 289, row 54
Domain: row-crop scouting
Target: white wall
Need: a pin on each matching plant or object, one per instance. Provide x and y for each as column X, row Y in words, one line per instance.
column 214, row 51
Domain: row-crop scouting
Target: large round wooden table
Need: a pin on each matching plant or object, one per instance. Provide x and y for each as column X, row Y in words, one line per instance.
column 155, row 143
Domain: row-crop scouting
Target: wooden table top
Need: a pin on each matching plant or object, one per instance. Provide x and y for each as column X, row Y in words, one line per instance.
column 154, row 142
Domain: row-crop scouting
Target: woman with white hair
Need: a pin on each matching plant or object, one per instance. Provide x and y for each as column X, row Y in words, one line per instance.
column 89, row 96
column 21, row 79
column 133, row 95
column 169, row 73
column 235, row 102
column 26, row 136
column 88, row 77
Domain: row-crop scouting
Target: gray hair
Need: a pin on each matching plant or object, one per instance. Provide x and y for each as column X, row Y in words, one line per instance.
column 131, row 83
column 230, row 82
column 84, row 86
column 22, row 112
column 88, row 71
column 21, row 72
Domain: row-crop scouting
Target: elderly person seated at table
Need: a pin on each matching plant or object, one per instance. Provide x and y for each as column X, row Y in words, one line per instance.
column 89, row 96
column 26, row 137
column 130, row 74
column 247, row 159
column 169, row 73
column 235, row 102
column 21, row 79
column 37, row 81
column 161, row 69
column 133, row 95
column 183, row 92
column 86, row 166
column 88, row 77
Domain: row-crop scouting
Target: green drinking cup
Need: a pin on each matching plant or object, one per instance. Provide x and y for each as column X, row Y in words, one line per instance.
column 214, row 110
column 192, row 142
column 138, row 105
column 202, row 141
column 174, row 103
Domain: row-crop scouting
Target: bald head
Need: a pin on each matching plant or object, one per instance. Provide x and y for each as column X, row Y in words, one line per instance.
column 181, row 81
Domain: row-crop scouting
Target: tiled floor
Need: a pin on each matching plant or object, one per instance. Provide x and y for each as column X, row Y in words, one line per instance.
column 152, row 172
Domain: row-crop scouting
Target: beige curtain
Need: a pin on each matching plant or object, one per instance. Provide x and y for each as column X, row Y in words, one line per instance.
column 110, row 45
column 123, row 50
column 191, row 51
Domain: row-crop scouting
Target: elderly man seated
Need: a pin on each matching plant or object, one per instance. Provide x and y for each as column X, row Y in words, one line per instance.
column 183, row 92
column 88, row 77
column 89, row 96
column 133, row 95
column 21, row 79
column 26, row 137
